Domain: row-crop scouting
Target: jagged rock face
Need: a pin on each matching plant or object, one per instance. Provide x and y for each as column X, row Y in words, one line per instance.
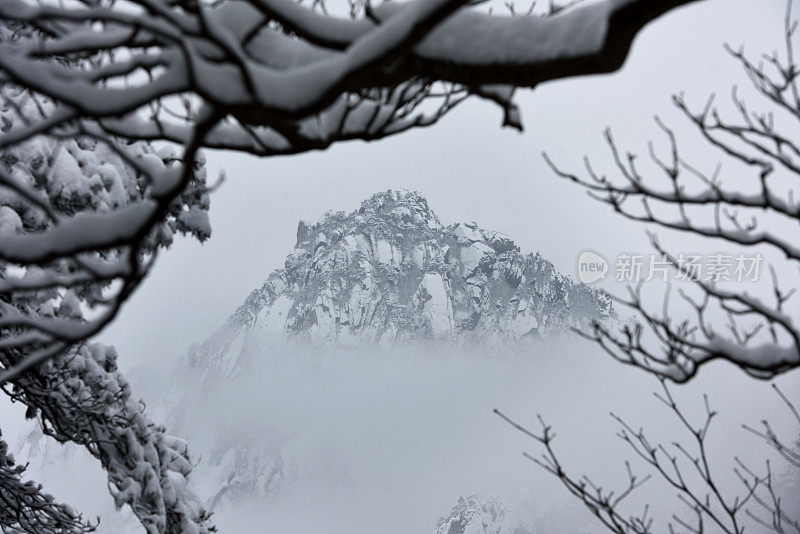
column 471, row 516
column 390, row 273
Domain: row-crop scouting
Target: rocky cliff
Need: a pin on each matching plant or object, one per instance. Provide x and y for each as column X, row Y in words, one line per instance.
column 390, row 273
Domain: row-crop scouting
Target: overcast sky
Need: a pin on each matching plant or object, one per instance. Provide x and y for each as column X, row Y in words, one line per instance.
column 467, row 167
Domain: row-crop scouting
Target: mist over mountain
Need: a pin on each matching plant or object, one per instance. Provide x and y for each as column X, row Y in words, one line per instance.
column 471, row 515
column 390, row 273
column 384, row 326
column 387, row 278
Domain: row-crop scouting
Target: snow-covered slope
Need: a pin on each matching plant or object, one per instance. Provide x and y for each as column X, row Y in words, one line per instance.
column 390, row 273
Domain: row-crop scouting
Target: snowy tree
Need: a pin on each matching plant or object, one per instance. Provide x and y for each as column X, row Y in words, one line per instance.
column 758, row 334
column 767, row 499
column 25, row 508
column 48, row 179
column 78, row 395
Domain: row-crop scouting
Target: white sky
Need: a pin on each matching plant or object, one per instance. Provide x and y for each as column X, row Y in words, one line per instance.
column 466, row 166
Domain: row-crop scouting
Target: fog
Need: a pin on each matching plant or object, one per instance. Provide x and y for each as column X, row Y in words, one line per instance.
column 386, row 442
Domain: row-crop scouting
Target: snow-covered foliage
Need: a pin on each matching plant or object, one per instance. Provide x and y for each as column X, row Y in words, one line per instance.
column 82, row 174
column 78, row 394
column 58, row 251
column 26, row 509
column 80, row 397
column 81, row 217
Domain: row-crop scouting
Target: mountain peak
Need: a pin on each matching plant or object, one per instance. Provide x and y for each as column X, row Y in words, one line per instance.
column 390, row 272
column 397, row 204
column 388, row 213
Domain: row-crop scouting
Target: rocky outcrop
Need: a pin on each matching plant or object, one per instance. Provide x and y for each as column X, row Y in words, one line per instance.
column 470, row 515
column 390, row 273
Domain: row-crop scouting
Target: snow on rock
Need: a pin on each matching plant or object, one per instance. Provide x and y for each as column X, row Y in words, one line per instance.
column 470, row 515
column 10, row 222
column 436, row 307
column 472, row 255
column 390, row 273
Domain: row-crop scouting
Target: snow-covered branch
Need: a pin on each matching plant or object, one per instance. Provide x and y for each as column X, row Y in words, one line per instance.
column 62, row 192
column 26, row 509
column 239, row 55
column 685, row 468
column 79, row 396
column 761, row 334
